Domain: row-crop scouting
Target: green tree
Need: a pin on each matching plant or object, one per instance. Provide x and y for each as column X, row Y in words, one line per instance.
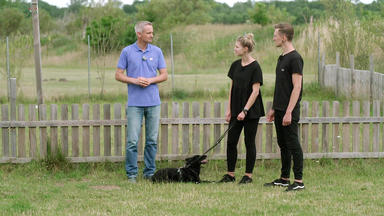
column 177, row 12
column 259, row 14
column 10, row 21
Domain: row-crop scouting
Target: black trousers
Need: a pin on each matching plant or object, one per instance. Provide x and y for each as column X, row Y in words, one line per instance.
column 250, row 129
column 288, row 141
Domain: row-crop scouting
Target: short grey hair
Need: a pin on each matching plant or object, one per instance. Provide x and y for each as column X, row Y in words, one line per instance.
column 140, row 25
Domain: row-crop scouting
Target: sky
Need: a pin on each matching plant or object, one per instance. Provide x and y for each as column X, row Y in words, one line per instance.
column 65, row 3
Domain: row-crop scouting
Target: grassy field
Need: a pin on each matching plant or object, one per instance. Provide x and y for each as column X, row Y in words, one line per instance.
column 333, row 187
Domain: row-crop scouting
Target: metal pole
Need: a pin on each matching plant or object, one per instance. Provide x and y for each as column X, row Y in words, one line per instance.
column 37, row 50
column 8, row 72
column 172, row 65
column 337, row 73
column 89, row 68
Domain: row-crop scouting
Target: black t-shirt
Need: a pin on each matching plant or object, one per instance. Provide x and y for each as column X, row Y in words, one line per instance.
column 287, row 65
column 243, row 78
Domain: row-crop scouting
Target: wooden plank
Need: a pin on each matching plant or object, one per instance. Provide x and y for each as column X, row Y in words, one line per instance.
column 185, row 128
column 96, row 130
column 325, row 128
column 117, row 130
column 346, row 129
column 54, row 130
column 225, row 127
column 75, row 131
column 356, row 127
column 259, row 137
column 43, row 130
column 305, row 126
column 315, row 128
column 336, row 128
column 5, row 131
column 175, row 129
column 32, row 132
column 64, row 130
column 376, row 127
column 269, row 132
column 164, row 129
column 217, row 128
column 196, row 129
column 366, row 137
column 206, row 127
column 107, row 130
column 85, row 132
column 21, row 133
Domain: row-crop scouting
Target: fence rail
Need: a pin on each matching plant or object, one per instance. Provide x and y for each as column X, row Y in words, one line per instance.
column 326, row 130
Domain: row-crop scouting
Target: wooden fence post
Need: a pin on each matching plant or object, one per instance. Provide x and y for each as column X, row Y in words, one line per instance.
column 117, row 129
column 356, row 127
column 269, row 132
column 96, row 130
column 196, row 129
column 21, row 133
column 315, row 128
column 164, row 129
column 304, row 128
column 325, row 128
column 353, row 76
column 13, row 116
column 346, row 129
column 366, row 126
column 53, row 130
column 337, row 74
column 43, row 130
column 64, row 129
column 336, row 127
column 32, row 132
column 75, row 131
column 371, row 72
column 5, row 131
column 217, row 128
column 86, row 135
column 185, row 128
column 175, row 129
column 376, row 127
column 107, row 130
column 206, row 127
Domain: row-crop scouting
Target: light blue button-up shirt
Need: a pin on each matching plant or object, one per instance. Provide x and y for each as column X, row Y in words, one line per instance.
column 138, row 63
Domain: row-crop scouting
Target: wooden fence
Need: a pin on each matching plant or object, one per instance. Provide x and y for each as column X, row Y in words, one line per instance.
column 350, row 82
column 92, row 133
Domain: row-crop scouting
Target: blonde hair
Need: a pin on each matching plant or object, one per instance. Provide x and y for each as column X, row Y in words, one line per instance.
column 140, row 25
column 247, row 41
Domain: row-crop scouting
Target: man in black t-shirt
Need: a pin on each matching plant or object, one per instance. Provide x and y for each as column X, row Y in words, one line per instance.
column 285, row 111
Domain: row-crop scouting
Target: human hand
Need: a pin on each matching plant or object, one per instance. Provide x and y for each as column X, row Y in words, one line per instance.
column 241, row 116
column 228, row 116
column 271, row 115
column 143, row 82
column 287, row 119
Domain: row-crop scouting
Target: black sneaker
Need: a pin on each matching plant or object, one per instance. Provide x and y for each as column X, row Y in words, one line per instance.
column 245, row 180
column 277, row 182
column 227, row 178
column 295, row 186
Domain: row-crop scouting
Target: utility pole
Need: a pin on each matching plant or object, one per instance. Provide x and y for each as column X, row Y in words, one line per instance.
column 37, row 49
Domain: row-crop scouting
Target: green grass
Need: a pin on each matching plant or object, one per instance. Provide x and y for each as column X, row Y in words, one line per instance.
column 333, row 187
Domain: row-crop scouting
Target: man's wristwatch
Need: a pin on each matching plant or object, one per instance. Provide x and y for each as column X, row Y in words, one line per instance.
column 245, row 111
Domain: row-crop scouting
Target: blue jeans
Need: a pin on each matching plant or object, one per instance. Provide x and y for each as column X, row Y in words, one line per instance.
column 134, row 122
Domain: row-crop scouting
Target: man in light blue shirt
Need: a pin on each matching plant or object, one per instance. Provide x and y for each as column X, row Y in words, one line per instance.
column 141, row 61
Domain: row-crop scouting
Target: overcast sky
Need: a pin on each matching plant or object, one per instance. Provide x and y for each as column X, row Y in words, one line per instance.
column 65, row 3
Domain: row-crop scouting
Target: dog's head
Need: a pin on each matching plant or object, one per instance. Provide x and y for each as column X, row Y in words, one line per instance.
column 196, row 160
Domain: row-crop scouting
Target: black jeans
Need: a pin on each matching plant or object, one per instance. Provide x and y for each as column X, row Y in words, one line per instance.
column 288, row 140
column 250, row 129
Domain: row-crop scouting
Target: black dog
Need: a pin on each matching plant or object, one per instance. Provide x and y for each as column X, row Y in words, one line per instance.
column 189, row 173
